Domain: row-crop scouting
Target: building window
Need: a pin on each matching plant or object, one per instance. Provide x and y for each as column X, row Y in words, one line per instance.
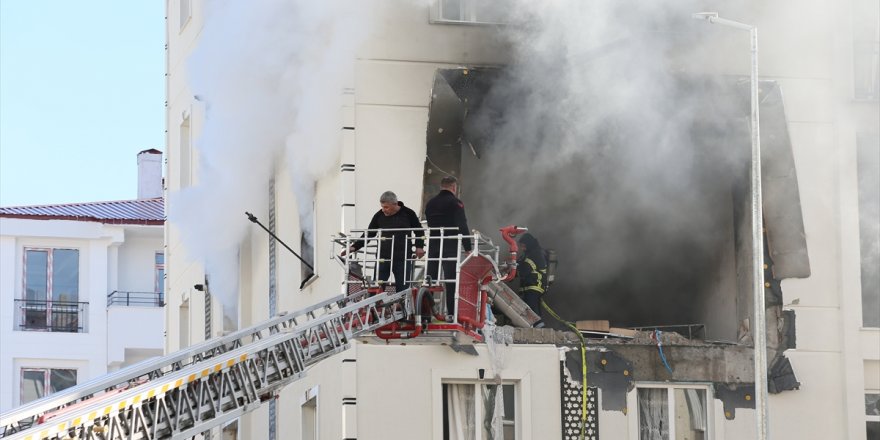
column 160, row 274
column 185, row 12
column 51, row 290
column 479, row 411
column 670, row 413
column 470, row 11
column 37, row 383
column 230, row 431
column 872, row 415
column 866, row 49
column 183, row 319
column 310, row 419
column 869, row 226
column 307, row 250
column 185, row 171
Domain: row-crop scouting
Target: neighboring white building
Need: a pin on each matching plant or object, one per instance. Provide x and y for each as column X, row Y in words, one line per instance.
column 81, row 289
column 820, row 181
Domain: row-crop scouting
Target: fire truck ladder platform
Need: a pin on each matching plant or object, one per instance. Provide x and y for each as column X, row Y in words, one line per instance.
column 195, row 389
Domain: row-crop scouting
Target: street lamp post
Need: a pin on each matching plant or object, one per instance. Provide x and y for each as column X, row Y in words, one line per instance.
column 759, row 326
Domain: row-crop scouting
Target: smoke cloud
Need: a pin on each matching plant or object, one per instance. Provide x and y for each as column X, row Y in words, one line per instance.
column 611, row 156
column 270, row 75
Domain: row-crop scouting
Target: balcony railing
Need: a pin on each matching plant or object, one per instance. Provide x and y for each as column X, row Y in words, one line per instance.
column 139, row 299
column 52, row 316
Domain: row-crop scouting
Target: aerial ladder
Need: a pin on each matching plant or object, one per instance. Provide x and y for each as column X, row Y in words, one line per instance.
column 193, row 390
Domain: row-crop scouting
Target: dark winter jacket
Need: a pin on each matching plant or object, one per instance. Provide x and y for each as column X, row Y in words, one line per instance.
column 405, row 218
column 446, row 210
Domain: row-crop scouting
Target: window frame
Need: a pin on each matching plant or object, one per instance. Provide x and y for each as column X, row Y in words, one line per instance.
column 466, row 8
column 312, row 250
column 865, row 52
column 185, row 148
column 49, row 297
column 185, row 11
column 632, row 405
column 478, row 408
column 47, row 378
column 159, row 274
column 869, row 295
column 310, row 403
column 871, row 417
column 522, row 392
column 49, row 269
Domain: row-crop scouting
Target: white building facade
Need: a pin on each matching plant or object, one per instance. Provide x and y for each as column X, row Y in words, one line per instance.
column 397, row 391
column 81, row 291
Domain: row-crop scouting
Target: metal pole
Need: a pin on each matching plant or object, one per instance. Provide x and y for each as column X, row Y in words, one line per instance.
column 759, row 326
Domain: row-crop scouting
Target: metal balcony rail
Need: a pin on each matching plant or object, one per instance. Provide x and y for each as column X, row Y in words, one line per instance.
column 138, row 299
column 366, row 261
column 362, row 268
column 53, row 316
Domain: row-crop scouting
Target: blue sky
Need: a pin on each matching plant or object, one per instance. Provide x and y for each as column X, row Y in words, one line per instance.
column 82, row 91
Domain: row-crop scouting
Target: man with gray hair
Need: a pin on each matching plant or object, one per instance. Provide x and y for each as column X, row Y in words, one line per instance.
column 394, row 215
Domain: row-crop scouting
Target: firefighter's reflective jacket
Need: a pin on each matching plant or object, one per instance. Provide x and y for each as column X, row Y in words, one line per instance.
column 532, row 269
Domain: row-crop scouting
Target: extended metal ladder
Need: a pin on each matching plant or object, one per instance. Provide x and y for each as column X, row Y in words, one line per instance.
column 195, row 389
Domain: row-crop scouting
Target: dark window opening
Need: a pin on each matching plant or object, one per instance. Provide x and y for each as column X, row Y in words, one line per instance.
column 647, row 231
column 307, row 252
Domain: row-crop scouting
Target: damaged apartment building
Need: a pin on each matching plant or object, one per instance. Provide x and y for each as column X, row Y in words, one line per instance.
column 620, row 137
column 618, row 133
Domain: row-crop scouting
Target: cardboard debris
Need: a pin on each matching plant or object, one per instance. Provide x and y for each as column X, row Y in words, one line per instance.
column 593, row 326
column 623, row 331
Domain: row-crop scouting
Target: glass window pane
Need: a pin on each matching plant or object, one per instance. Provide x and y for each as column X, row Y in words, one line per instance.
column 493, row 412
column 873, row 429
column 872, row 404
column 33, row 385
column 308, row 254
column 451, row 9
column 653, row 414
column 65, row 275
column 160, row 258
column 36, row 275
column 869, row 226
column 160, row 281
column 491, row 11
column 509, row 403
column 690, row 414
column 61, row 379
column 461, row 408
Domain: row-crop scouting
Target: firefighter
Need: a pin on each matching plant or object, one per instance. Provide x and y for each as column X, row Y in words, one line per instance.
column 394, row 215
column 532, row 270
column 446, row 210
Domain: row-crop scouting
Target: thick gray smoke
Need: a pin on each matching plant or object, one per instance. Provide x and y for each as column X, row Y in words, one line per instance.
column 610, row 156
column 270, row 75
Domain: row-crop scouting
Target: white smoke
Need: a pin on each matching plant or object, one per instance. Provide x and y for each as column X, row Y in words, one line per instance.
column 270, row 75
column 598, row 143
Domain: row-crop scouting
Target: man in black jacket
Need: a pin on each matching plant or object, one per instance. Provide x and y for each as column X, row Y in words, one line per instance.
column 394, row 215
column 446, row 210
